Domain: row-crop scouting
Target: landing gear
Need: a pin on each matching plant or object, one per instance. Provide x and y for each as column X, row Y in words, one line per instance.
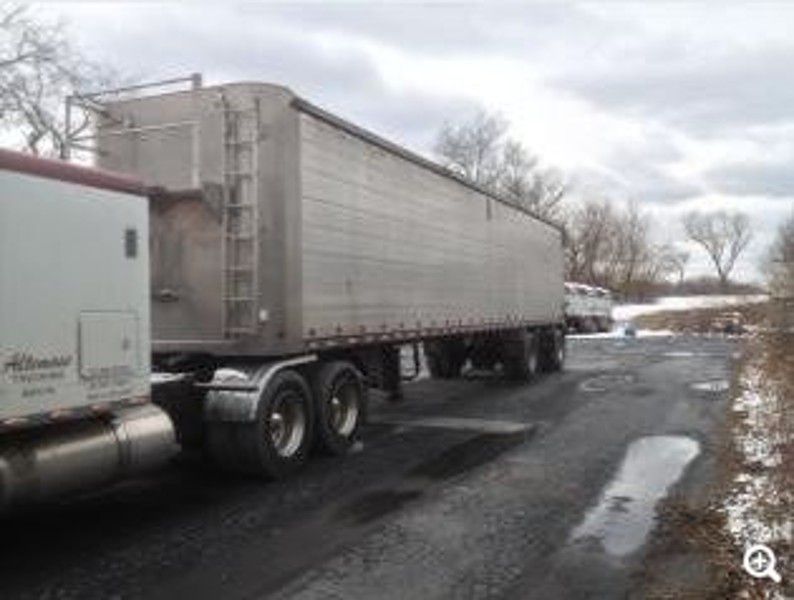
column 445, row 357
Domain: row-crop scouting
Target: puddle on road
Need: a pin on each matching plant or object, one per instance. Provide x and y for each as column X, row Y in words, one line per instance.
column 713, row 386
column 607, row 381
column 625, row 513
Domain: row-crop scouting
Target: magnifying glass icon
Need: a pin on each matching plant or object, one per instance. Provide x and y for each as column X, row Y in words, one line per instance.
column 759, row 561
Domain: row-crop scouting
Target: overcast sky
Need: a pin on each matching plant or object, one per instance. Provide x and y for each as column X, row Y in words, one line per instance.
column 677, row 106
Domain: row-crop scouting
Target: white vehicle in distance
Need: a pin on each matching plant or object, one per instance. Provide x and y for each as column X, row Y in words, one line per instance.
column 587, row 308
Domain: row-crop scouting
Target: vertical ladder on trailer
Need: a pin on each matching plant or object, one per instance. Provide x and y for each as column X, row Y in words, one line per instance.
column 240, row 221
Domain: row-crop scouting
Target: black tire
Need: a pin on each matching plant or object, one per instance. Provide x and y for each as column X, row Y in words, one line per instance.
column 484, row 353
column 338, row 419
column 553, row 351
column 260, row 448
column 445, row 358
column 483, row 362
column 522, row 357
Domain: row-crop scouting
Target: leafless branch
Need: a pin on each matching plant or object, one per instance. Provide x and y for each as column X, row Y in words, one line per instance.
column 479, row 150
column 39, row 67
column 724, row 236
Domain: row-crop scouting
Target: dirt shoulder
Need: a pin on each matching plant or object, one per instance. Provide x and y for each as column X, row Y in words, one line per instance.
column 700, row 539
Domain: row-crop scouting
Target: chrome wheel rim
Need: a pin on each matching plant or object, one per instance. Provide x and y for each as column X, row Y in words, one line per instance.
column 343, row 407
column 286, row 424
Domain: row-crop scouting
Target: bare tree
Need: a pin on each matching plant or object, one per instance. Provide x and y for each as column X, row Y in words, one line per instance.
column 39, row 67
column 516, row 179
column 724, row 236
column 677, row 261
column 588, row 233
column 473, row 149
column 779, row 260
column 480, row 151
column 523, row 183
column 632, row 254
column 612, row 246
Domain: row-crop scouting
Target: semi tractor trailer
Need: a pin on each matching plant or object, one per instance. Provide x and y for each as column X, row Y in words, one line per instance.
column 232, row 276
column 588, row 308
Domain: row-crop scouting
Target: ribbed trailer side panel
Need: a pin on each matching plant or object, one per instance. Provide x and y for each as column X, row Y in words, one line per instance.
column 354, row 236
column 389, row 245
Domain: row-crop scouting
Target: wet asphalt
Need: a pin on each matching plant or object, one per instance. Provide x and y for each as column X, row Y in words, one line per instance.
column 473, row 488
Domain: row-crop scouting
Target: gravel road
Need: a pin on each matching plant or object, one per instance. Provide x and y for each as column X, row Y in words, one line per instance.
column 471, row 488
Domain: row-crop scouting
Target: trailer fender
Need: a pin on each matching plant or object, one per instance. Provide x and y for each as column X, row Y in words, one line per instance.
column 235, row 391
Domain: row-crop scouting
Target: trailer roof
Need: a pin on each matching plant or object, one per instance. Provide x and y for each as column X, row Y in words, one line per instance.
column 305, row 106
column 59, row 170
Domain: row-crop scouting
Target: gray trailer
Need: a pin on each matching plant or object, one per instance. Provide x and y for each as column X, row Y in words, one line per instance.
column 285, row 239
column 292, row 255
column 283, row 229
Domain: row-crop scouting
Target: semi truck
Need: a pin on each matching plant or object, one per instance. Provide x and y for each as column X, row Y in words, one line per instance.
column 588, row 308
column 232, row 276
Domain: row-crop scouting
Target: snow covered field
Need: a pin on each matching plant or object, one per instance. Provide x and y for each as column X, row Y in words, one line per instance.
column 623, row 314
column 626, row 312
column 619, row 331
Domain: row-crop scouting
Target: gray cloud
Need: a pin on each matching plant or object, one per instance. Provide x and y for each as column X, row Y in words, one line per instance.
column 703, row 96
column 775, row 180
column 722, row 82
column 644, row 183
column 440, row 29
column 269, row 44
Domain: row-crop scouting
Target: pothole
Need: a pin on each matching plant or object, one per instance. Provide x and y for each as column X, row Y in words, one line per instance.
column 713, row 386
column 605, row 382
column 455, row 460
column 625, row 512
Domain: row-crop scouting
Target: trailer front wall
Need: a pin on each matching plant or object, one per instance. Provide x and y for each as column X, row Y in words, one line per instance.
column 181, row 142
column 389, row 245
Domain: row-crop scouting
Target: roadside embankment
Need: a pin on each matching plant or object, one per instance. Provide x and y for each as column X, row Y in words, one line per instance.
column 752, row 500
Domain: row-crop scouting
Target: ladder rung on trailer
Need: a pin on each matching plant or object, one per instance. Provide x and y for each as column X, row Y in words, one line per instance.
column 240, row 227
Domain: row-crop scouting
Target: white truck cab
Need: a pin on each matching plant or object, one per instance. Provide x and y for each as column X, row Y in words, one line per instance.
column 74, row 329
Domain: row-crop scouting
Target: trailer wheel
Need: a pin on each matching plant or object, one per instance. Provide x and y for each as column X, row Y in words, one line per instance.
column 277, row 442
column 522, row 358
column 340, row 398
column 553, row 351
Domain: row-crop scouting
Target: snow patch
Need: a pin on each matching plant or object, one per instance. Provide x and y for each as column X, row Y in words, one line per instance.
column 757, row 442
column 713, row 386
column 621, row 332
column 624, row 312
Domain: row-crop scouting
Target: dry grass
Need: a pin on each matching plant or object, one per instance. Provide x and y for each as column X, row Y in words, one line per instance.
column 704, row 320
